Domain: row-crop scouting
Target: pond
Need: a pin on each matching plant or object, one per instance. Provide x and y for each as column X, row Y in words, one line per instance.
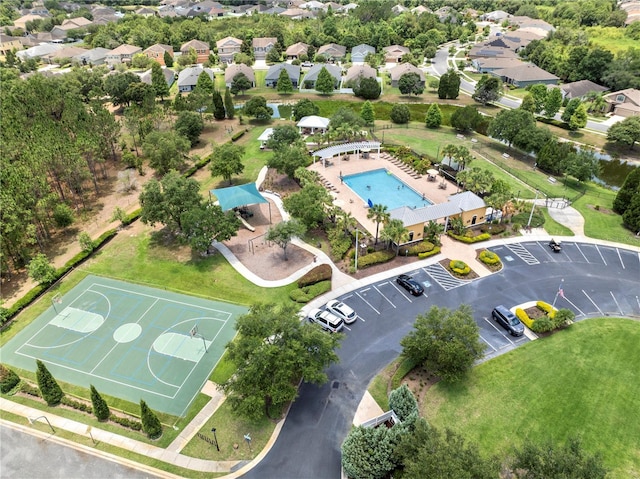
column 614, row 172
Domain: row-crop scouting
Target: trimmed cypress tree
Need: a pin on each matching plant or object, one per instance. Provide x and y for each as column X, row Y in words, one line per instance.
column 49, row 388
column 8, row 379
column 433, row 118
column 100, row 408
column 218, row 106
column 150, row 422
column 228, row 104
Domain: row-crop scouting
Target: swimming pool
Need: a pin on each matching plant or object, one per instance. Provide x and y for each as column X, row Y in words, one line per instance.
column 382, row 187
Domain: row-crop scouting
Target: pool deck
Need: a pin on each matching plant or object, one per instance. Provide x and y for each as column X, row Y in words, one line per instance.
column 349, row 201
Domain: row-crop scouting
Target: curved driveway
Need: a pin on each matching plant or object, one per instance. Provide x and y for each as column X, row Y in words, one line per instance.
column 596, row 280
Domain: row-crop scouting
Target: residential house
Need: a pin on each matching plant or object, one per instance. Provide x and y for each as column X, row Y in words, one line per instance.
column 122, row 54
column 420, row 9
column 360, row 52
column 313, row 6
column 394, row 53
column 169, row 76
column 156, row 52
column 22, row 21
column 399, row 70
column 273, row 74
column 294, row 51
column 262, row 45
column 96, row 56
column 207, row 8
column 201, row 48
column 227, row 49
column 296, row 14
column 532, row 24
column 335, row 7
column 624, row 102
column 358, row 72
column 398, row 9
column 54, row 36
column 235, row 69
column 348, row 7
column 489, row 64
column 486, row 50
column 8, row 43
column 332, row 52
column 146, row 12
column 496, row 16
column 524, row 75
column 38, row 51
column 74, row 24
column 521, row 38
column 310, row 78
column 188, row 78
column 67, row 52
column 446, row 14
column 580, row 89
column 466, row 205
column 275, row 10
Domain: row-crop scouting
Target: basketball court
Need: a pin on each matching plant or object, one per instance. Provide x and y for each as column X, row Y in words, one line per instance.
column 129, row 341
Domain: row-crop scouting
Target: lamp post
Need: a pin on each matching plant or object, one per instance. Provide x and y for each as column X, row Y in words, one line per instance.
column 533, row 207
column 357, row 245
column 559, row 292
column 215, row 438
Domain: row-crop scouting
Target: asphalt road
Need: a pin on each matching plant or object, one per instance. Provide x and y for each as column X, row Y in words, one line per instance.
column 595, row 280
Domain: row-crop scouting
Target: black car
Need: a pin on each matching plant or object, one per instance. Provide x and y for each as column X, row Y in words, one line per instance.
column 555, row 246
column 410, row 285
column 508, row 320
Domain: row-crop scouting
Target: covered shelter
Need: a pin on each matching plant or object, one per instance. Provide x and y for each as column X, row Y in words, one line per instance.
column 264, row 137
column 357, row 147
column 312, row 124
column 238, row 196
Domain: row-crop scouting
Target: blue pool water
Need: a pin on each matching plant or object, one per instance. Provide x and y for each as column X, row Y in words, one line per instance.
column 382, row 187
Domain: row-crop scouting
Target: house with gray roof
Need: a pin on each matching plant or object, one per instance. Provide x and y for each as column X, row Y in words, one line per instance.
column 169, row 76
column 273, row 74
column 496, row 16
column 487, row 65
column 237, row 68
column 360, row 52
column 580, row 89
column 525, row 75
column 188, row 78
column 93, row 57
column 310, row 78
column 38, row 51
column 227, row 48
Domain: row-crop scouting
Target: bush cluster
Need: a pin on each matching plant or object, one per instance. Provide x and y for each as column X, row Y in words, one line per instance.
column 409, row 157
column 8, row 379
column 321, row 272
column 494, row 229
column 339, row 242
column 459, row 267
column 426, row 254
column 126, row 422
column 489, row 257
column 80, row 406
column 524, row 318
column 421, row 247
column 307, row 293
column 547, row 308
column 470, row 239
column 375, row 258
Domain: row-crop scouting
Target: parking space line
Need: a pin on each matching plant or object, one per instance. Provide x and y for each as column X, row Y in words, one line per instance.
column 585, row 258
column 578, row 309
column 490, row 345
column 545, row 249
column 495, row 327
column 593, row 302
column 380, row 292
column 616, row 301
column 370, row 305
column 346, row 327
column 400, row 291
column 347, row 297
column 620, row 256
column 638, row 301
column 600, row 253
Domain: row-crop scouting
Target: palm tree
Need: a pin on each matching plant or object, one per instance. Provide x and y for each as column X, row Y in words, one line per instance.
column 395, row 232
column 346, row 221
column 379, row 214
column 450, row 151
column 463, row 157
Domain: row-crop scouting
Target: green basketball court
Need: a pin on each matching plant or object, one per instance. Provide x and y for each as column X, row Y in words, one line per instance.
column 129, row 341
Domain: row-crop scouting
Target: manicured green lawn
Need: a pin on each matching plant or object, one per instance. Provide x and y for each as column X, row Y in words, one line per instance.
column 581, row 381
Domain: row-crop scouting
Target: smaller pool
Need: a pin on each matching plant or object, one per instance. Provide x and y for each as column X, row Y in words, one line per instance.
column 383, row 187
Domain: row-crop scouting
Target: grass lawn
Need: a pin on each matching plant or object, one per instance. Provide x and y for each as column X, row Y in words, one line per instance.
column 581, row 381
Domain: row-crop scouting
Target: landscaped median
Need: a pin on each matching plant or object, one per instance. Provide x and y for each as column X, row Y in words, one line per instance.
column 541, row 317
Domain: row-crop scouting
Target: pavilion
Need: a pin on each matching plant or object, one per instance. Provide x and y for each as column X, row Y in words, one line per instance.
column 237, row 196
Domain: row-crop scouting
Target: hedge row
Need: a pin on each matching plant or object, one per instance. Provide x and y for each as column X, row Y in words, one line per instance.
column 307, row 293
column 524, row 317
column 547, row 308
column 433, row 252
column 376, row 258
column 237, row 135
column 421, row 247
column 469, row 239
column 321, row 272
column 489, row 257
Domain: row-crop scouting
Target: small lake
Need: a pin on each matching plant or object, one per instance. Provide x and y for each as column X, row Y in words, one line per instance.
column 614, row 172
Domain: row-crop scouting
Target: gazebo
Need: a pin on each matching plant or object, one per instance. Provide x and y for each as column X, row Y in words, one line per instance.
column 264, row 137
column 313, row 123
column 236, row 196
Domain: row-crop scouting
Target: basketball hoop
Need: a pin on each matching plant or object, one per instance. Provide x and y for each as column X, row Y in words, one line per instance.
column 193, row 332
column 56, row 299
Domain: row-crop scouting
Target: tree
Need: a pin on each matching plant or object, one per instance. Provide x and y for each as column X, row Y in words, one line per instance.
column 579, row 118
column 166, row 201
column 553, row 103
column 466, row 119
column 433, row 118
column 631, row 216
column 273, row 55
column 240, row 84
column 150, row 423
column 62, row 215
column 432, row 232
column 86, row 243
column 283, row 136
column 158, row 81
column 410, row 84
column 509, row 123
column 568, row 461
column 41, row 270
column 345, row 123
column 218, row 106
column 229, row 107
column 449, row 87
column 538, row 94
column 116, row 87
column 325, row 83
column 445, row 342
column 395, row 232
column 284, row 84
column 8, row 378
column 288, row 159
column 403, row 402
column 476, row 179
column 100, row 407
column 283, row 232
column 528, row 103
column 532, row 139
column 304, row 107
column 309, row 204
column 570, row 109
column 166, row 150
column 434, row 83
column 168, row 59
column 206, row 224
column 367, row 113
column 367, row 88
column 400, row 114
column 630, row 187
column 189, row 124
column 379, row 213
column 257, row 108
column 204, row 83
column 488, row 89
column 271, row 353
column 226, row 160
column 626, row 132
column 368, row 452
column 49, row 388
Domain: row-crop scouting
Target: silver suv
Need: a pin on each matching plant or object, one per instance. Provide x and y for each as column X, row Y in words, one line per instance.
column 328, row 321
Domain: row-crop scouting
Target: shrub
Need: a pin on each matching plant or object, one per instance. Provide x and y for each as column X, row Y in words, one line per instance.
column 307, row 293
column 489, row 257
column 493, row 229
column 62, row 215
column 459, row 267
column 236, row 136
column 469, row 239
column 524, row 318
column 403, row 402
column 339, row 242
column 49, row 388
column 86, row 243
column 542, row 325
column 126, row 422
column 421, row 247
column 547, row 308
column 321, row 272
column 426, row 254
column 80, row 406
column 30, row 389
column 8, row 379
column 376, row 258
column 150, row 422
column 562, row 317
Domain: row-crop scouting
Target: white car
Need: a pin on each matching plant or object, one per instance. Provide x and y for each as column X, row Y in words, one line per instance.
column 342, row 310
column 328, row 321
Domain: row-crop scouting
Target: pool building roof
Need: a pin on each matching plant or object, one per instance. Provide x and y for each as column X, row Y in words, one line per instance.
column 456, row 204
